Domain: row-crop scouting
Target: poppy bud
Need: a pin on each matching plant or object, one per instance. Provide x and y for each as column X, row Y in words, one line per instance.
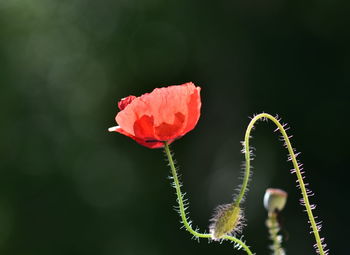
column 275, row 200
column 227, row 220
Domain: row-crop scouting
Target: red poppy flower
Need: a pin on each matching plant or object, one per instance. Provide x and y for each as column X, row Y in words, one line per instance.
column 163, row 115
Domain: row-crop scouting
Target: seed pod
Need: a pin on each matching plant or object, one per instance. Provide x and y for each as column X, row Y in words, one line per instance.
column 275, row 200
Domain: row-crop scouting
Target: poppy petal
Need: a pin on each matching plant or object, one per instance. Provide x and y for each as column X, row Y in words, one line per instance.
column 150, row 144
column 124, row 102
column 144, row 128
column 193, row 109
column 166, row 131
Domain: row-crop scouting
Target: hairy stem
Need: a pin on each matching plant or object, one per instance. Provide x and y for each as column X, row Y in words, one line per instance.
column 182, row 212
column 273, row 227
column 296, row 169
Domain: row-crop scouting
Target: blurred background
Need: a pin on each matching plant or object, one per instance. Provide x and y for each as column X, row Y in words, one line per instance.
column 67, row 186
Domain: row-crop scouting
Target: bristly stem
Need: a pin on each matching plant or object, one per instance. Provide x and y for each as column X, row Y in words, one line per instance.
column 180, row 196
column 180, row 200
column 274, row 227
column 292, row 155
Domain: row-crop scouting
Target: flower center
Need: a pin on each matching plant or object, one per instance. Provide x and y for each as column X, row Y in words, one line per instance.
column 125, row 101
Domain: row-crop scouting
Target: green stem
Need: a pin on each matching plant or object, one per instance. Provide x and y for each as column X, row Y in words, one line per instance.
column 182, row 207
column 296, row 168
column 273, row 227
column 180, row 195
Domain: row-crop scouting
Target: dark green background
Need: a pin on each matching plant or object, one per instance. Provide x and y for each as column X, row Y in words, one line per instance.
column 67, row 186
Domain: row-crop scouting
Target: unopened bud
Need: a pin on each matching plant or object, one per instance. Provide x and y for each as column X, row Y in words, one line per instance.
column 227, row 220
column 275, row 200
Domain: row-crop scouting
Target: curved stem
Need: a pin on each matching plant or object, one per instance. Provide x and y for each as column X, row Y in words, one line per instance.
column 182, row 212
column 239, row 242
column 296, row 168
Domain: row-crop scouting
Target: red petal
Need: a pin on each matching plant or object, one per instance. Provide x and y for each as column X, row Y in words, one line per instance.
column 149, row 144
column 144, row 128
column 125, row 101
column 194, row 107
column 167, row 131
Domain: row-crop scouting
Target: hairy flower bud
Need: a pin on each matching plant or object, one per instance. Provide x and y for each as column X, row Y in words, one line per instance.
column 227, row 220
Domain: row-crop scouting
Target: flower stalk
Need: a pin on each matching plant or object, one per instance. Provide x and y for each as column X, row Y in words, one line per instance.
column 274, row 229
column 293, row 157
